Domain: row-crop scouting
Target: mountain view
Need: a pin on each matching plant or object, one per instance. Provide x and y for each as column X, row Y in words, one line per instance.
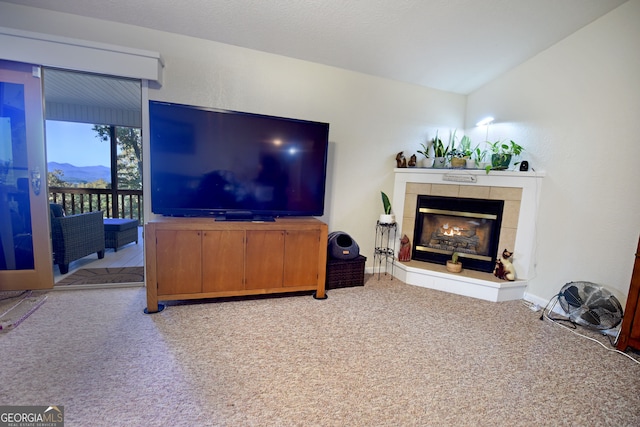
column 81, row 174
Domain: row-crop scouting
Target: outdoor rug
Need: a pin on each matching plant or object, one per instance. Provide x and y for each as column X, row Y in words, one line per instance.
column 16, row 306
column 99, row 277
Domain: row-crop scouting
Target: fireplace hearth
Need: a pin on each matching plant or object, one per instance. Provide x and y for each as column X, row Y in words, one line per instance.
column 470, row 227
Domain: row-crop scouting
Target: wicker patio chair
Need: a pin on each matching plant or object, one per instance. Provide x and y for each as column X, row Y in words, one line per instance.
column 75, row 236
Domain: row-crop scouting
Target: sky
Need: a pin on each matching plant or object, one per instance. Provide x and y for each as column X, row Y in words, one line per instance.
column 75, row 143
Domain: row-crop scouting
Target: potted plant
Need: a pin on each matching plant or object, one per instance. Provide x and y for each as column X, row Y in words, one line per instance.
column 479, row 158
column 426, row 162
column 440, row 152
column 502, row 153
column 457, row 158
column 453, row 265
column 387, row 217
column 465, row 148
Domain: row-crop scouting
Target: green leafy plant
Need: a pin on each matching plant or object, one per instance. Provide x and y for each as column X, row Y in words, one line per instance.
column 503, row 148
column 456, row 152
column 452, row 140
column 479, row 155
column 425, row 150
column 439, row 150
column 465, row 146
column 501, row 151
column 386, row 203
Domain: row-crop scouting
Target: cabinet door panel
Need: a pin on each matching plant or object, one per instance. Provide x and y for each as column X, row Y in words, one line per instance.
column 301, row 255
column 264, row 259
column 178, row 262
column 222, row 260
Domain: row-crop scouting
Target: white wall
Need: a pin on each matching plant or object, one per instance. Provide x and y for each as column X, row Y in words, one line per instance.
column 371, row 118
column 576, row 109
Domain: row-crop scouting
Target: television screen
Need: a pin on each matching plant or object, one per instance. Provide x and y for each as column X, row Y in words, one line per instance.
column 235, row 165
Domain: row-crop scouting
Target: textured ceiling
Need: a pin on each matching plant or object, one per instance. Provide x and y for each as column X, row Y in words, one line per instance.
column 452, row 45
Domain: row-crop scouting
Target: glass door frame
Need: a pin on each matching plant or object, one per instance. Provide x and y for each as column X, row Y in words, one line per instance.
column 41, row 275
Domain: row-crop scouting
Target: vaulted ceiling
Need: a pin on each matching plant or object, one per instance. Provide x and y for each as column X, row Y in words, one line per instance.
column 452, row 45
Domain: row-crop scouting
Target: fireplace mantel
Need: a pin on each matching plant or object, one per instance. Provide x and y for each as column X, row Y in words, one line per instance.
column 522, row 187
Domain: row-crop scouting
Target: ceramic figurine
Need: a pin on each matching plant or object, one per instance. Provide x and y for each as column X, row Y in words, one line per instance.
column 405, row 249
column 401, row 160
column 504, row 268
column 412, row 161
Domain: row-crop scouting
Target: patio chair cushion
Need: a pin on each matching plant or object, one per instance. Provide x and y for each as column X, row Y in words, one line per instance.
column 120, row 231
column 119, row 224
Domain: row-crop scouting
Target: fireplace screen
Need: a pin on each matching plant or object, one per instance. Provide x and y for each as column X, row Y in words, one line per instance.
column 470, row 227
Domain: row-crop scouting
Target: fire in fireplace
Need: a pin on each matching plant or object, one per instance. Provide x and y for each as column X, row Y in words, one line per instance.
column 445, row 225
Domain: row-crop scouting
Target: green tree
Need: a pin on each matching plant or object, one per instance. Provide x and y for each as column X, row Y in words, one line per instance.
column 54, row 179
column 99, row 183
column 129, row 159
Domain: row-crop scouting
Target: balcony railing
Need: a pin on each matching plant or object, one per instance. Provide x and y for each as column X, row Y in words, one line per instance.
column 128, row 203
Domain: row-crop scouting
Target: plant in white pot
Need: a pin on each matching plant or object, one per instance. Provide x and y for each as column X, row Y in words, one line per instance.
column 465, row 148
column 440, row 152
column 426, row 162
column 479, row 158
column 387, row 217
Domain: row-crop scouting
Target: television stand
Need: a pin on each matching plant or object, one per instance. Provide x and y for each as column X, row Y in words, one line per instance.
column 194, row 258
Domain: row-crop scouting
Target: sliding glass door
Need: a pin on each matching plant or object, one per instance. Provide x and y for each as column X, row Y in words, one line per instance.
column 25, row 249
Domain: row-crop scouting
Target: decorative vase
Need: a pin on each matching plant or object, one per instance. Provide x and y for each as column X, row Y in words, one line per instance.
column 458, row 162
column 454, row 267
column 439, row 162
column 387, row 219
column 500, row 161
column 471, row 164
column 482, row 165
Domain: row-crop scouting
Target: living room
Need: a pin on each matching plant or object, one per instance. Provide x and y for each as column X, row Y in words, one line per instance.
column 565, row 105
column 574, row 107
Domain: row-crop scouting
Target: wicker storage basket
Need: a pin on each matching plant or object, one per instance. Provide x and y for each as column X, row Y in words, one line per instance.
column 345, row 273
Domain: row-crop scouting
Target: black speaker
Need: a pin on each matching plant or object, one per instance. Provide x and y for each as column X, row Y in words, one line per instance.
column 524, row 166
column 341, row 246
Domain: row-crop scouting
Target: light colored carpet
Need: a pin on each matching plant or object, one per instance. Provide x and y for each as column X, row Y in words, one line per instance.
column 99, row 276
column 17, row 306
column 385, row 354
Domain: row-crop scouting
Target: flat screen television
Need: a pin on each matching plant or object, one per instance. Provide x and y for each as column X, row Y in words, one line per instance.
column 234, row 165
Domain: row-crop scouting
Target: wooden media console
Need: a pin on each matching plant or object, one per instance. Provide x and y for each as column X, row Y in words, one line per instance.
column 192, row 258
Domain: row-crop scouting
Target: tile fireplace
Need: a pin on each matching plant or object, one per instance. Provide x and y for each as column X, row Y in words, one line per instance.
column 510, row 200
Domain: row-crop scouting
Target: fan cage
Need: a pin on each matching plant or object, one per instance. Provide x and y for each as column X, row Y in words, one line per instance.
column 590, row 305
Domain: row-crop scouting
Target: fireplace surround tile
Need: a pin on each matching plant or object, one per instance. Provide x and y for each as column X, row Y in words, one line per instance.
column 444, row 190
column 505, row 193
column 417, row 187
column 507, row 239
column 479, row 192
column 510, row 214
